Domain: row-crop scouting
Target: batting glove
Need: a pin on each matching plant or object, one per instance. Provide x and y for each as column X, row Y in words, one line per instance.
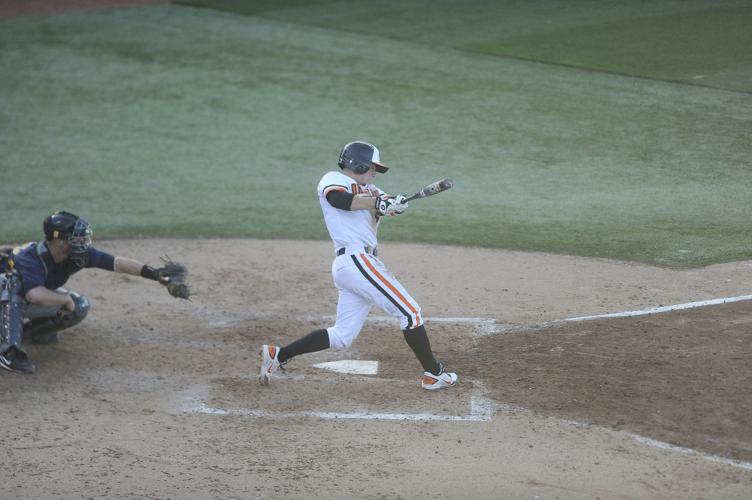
column 388, row 205
column 400, row 204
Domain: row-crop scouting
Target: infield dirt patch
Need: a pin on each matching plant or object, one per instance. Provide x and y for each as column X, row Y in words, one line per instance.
column 119, row 405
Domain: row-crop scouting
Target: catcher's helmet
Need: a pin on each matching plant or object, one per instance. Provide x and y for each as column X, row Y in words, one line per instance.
column 358, row 156
column 73, row 229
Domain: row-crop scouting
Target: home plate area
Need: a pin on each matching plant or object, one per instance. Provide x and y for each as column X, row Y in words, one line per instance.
column 342, row 389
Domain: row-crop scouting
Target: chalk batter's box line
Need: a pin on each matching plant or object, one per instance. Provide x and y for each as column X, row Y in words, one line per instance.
column 481, row 410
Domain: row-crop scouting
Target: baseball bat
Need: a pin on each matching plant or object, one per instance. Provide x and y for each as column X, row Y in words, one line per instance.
column 433, row 188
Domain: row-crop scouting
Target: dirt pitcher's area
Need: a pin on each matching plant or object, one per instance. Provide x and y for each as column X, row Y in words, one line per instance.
column 152, row 397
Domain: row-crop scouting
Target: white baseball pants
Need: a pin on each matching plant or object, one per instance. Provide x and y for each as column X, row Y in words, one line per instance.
column 364, row 281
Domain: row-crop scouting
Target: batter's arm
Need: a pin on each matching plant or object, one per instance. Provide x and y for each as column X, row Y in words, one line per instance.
column 347, row 201
column 363, row 202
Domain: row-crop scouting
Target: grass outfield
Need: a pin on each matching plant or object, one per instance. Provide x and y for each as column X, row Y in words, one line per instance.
column 690, row 41
column 175, row 121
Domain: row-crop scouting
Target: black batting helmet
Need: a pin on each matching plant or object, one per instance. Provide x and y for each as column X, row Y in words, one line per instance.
column 358, row 156
column 73, row 229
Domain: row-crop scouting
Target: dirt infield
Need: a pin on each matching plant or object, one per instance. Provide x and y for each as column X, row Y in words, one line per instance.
column 157, row 398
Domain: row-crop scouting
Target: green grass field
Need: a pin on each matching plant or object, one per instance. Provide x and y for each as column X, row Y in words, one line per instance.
column 184, row 122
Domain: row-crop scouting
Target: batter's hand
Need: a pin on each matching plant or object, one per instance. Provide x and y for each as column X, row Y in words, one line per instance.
column 389, row 205
column 400, row 203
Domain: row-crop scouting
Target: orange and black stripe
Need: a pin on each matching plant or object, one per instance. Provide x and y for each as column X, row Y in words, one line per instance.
column 382, row 284
column 333, row 187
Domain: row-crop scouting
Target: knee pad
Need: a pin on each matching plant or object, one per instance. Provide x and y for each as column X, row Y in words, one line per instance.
column 82, row 306
column 44, row 330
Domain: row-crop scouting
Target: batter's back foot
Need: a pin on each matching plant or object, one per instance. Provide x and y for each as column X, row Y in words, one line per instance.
column 431, row 381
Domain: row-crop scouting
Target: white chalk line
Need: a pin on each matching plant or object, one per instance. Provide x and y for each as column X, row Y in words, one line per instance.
column 653, row 443
column 689, row 451
column 481, row 410
column 661, row 309
column 474, row 416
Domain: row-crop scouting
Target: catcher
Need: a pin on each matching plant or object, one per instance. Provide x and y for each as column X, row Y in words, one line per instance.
column 34, row 307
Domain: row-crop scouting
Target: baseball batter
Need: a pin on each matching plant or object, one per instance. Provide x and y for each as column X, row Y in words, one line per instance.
column 353, row 207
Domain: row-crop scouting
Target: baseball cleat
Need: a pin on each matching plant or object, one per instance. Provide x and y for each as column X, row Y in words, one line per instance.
column 16, row 361
column 443, row 379
column 269, row 363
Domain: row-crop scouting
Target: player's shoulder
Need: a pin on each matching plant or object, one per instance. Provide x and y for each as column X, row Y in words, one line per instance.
column 29, row 250
column 28, row 256
column 334, row 180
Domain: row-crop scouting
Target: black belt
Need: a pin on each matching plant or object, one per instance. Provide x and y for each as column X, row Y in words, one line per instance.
column 368, row 250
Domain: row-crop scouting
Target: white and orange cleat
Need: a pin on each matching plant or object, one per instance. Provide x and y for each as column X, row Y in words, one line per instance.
column 443, row 379
column 269, row 363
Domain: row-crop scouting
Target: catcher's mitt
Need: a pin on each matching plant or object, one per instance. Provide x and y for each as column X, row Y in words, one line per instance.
column 173, row 275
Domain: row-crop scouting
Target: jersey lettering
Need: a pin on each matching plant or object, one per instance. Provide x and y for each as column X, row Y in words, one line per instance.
column 358, row 189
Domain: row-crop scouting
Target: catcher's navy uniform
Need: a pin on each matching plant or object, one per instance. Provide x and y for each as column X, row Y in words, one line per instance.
column 31, row 283
column 37, row 268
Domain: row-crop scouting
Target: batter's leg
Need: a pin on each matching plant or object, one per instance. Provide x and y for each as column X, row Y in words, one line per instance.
column 388, row 293
column 352, row 311
column 417, row 339
column 317, row 340
column 369, row 277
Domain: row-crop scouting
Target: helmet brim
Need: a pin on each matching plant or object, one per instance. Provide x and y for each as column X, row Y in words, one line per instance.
column 380, row 168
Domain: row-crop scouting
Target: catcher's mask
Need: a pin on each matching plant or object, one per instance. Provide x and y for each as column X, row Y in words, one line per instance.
column 358, row 156
column 73, row 229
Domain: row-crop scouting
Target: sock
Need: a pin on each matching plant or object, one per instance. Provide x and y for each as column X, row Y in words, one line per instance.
column 417, row 339
column 317, row 340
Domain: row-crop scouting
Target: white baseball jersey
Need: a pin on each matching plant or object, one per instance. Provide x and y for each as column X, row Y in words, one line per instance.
column 356, row 227
column 361, row 278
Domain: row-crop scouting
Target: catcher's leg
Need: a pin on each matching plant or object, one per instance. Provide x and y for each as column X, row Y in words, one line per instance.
column 47, row 321
column 12, row 354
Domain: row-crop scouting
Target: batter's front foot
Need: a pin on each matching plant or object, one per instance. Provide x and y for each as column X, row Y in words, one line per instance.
column 269, row 363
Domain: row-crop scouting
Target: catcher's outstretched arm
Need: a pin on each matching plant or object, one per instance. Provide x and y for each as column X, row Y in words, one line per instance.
column 173, row 275
column 128, row 266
